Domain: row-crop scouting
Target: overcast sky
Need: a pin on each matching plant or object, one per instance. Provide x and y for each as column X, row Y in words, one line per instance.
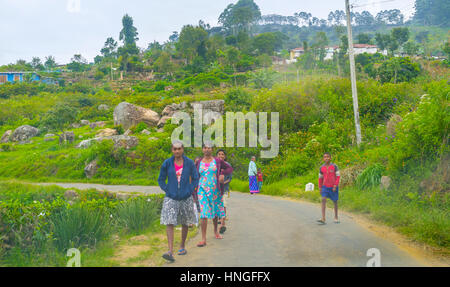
column 63, row 28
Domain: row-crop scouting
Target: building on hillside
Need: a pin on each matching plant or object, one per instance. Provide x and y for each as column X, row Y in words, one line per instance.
column 13, row 77
column 330, row 50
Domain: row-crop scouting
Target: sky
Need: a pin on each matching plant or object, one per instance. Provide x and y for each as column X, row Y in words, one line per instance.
column 62, row 28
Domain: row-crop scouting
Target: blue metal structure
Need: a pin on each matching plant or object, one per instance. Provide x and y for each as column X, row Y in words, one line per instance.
column 12, row 77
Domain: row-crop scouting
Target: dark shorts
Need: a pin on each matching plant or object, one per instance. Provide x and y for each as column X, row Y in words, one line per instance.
column 328, row 192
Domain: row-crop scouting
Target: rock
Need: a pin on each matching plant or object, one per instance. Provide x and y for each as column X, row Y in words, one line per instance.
column 106, row 133
column 100, row 124
column 67, row 137
column 91, row 169
column 163, row 121
column 168, row 88
column 123, row 141
column 76, row 125
column 84, row 122
column 153, row 139
column 392, row 124
column 161, row 130
column 129, row 115
column 5, row 137
column 211, row 110
column 70, row 194
column 122, row 196
column 145, row 132
column 23, row 133
column 171, row 109
column 49, row 135
column 103, row 107
column 211, row 117
column 128, row 132
column 85, row 143
column 385, row 182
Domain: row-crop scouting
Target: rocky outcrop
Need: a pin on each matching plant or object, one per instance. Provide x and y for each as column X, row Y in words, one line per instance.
column 91, row 169
column 103, row 107
column 5, row 137
column 120, row 141
column 392, row 125
column 67, row 137
column 23, row 133
column 129, row 115
column 106, row 133
column 211, row 110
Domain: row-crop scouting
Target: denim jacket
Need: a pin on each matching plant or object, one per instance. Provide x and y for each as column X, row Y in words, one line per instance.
column 188, row 182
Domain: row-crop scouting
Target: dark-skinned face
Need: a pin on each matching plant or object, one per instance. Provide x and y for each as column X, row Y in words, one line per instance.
column 207, row 151
column 327, row 158
column 177, row 151
column 221, row 155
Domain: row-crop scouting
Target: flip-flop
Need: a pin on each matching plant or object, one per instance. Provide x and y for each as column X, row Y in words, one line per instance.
column 168, row 257
column 222, row 229
column 201, row 244
column 182, row 252
column 218, row 236
column 321, row 222
column 336, row 221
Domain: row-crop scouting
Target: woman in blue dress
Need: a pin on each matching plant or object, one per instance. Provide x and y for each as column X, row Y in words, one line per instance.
column 209, row 193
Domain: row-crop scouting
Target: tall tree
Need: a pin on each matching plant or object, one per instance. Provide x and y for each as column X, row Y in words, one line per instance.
column 129, row 34
column 432, row 12
column 50, row 62
column 110, row 48
column 240, row 16
column 192, row 42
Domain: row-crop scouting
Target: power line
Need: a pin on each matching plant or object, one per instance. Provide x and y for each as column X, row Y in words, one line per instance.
column 373, row 3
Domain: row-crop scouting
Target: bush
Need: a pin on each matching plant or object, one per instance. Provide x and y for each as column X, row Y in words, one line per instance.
column 398, row 70
column 370, row 177
column 137, row 214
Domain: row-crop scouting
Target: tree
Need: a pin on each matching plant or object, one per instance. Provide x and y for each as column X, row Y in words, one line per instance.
column 401, row 35
column 397, row 70
column 37, row 64
column 363, row 38
column 365, row 18
column 269, row 42
column 109, row 50
column 240, row 16
column 129, row 33
column 320, row 41
column 78, row 64
column 411, row 48
column 392, row 17
column 60, row 117
column 50, row 62
column 382, row 41
column 446, row 50
column 192, row 42
column 304, row 16
column 432, row 12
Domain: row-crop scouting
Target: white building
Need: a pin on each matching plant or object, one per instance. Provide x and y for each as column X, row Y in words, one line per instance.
column 330, row 50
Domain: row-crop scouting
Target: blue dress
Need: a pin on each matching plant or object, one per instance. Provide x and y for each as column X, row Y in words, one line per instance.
column 209, row 198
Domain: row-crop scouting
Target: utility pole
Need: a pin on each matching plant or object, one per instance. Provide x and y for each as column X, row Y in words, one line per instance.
column 353, row 73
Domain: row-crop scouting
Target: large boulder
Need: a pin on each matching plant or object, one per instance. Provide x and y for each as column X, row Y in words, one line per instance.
column 23, row 133
column 91, row 169
column 106, row 133
column 211, row 110
column 103, row 107
column 163, row 121
column 171, row 109
column 129, row 115
column 5, row 137
column 385, row 182
column 120, row 141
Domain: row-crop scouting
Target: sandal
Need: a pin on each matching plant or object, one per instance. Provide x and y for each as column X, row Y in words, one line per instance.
column 182, row 252
column 218, row 236
column 222, row 229
column 168, row 256
column 321, row 221
column 201, row 244
column 336, row 221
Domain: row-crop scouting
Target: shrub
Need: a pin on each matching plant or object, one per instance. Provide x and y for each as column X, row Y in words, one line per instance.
column 137, row 214
column 370, row 177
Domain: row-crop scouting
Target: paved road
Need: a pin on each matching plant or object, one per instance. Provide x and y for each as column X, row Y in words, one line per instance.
column 269, row 231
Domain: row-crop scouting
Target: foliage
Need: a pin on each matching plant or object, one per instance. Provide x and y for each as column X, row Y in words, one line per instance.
column 370, row 177
column 137, row 214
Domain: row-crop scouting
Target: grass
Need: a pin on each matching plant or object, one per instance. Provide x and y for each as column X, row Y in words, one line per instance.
column 424, row 221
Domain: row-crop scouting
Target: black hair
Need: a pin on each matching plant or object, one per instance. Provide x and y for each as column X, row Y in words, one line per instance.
column 327, row 153
column 221, row 150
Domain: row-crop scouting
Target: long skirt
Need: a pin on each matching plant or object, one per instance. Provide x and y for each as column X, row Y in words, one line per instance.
column 253, row 184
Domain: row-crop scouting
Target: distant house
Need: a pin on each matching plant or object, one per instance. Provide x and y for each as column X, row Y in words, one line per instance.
column 12, row 77
column 330, row 50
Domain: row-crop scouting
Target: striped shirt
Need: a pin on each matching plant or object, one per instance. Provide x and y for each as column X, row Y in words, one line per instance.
column 329, row 175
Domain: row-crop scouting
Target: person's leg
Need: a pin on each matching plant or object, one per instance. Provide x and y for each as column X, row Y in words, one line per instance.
column 169, row 231
column 324, row 206
column 204, row 223
column 336, row 210
column 184, row 233
column 215, row 221
column 224, row 218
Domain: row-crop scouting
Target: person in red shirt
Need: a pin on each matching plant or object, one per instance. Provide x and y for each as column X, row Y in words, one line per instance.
column 259, row 176
column 329, row 186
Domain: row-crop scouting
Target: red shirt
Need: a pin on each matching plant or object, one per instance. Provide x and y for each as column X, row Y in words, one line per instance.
column 329, row 175
column 259, row 174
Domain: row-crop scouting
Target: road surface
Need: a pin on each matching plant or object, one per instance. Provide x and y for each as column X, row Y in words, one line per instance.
column 270, row 231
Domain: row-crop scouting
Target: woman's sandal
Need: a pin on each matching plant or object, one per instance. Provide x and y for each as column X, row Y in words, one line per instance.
column 336, row 221
column 218, row 236
column 182, row 252
column 168, row 256
column 201, row 244
column 321, row 222
column 222, row 229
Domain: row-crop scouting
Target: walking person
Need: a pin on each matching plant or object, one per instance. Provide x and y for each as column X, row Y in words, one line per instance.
column 226, row 190
column 259, row 176
column 178, row 205
column 210, row 169
column 329, row 176
column 252, row 172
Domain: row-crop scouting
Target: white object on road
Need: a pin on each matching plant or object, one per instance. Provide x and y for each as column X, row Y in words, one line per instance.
column 309, row 187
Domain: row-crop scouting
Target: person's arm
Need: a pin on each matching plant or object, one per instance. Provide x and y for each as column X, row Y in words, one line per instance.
column 338, row 177
column 230, row 177
column 163, row 176
column 254, row 169
column 228, row 168
column 195, row 177
column 320, row 178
